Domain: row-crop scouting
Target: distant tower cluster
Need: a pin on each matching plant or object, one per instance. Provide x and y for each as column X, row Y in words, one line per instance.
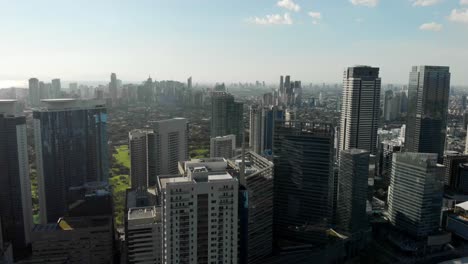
column 262, row 126
column 290, row 92
column 39, row 90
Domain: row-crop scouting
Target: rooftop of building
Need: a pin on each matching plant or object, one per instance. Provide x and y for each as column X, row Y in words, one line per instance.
column 142, row 213
column 176, row 179
column 69, row 104
column 141, row 197
column 72, row 223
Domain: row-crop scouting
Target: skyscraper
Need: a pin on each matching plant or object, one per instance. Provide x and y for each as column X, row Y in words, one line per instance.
column 428, row 95
column 227, row 117
column 56, row 89
column 15, row 188
column 170, row 144
column 34, row 92
column 453, row 172
column 143, row 226
column 222, row 147
column 256, row 225
column 71, row 149
column 189, row 83
column 113, row 88
column 303, row 182
column 352, row 190
column 255, row 127
column 200, row 213
column 360, row 108
column 141, row 148
column 262, row 126
column 415, row 193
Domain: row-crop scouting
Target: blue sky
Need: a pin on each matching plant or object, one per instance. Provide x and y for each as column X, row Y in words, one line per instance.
column 243, row 40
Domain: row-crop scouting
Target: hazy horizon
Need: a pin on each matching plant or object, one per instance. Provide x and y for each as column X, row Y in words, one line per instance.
column 213, row 41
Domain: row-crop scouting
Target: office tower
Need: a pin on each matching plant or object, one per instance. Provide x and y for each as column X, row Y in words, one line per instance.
column 303, row 182
column 71, row 149
column 34, row 92
column 222, row 147
column 170, row 144
column 428, row 95
column 198, row 99
column 388, row 105
column 143, row 227
column 415, row 193
column 200, row 213
column 43, row 90
column 262, row 124
column 189, row 83
column 464, row 102
column 454, row 168
column 256, row 224
column 352, row 190
column 360, row 108
column 15, row 187
column 267, row 99
column 113, row 88
column 141, row 148
column 149, row 91
column 388, row 148
column 255, row 127
column 56, row 89
column 227, row 117
column 281, row 89
column 296, row 97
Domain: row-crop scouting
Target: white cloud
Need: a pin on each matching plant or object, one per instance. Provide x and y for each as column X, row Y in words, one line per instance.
column 425, row 2
column 431, row 27
column 316, row 17
column 274, row 19
column 459, row 15
column 370, row 3
column 463, row 2
column 289, row 4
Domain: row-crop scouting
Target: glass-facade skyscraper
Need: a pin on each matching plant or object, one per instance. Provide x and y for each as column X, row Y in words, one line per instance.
column 428, row 95
column 71, row 149
column 15, row 187
column 360, row 108
column 415, row 193
column 303, row 181
column 227, row 117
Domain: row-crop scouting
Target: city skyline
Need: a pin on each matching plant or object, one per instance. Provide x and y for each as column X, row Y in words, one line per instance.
column 251, row 44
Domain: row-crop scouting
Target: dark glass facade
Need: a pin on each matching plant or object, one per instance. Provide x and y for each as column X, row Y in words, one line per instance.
column 72, row 145
column 13, row 189
column 428, row 94
column 227, row 117
column 303, row 182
